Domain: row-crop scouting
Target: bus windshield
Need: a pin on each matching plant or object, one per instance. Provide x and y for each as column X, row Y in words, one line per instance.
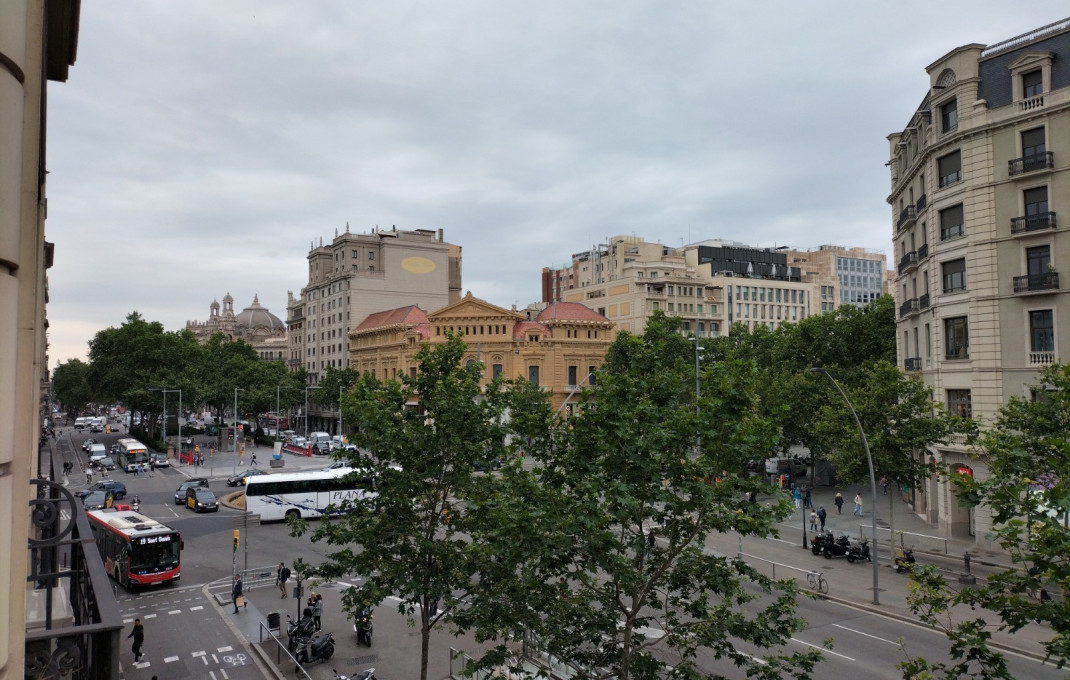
column 154, row 553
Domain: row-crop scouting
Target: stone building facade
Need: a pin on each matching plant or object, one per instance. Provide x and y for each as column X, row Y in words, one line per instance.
column 978, row 177
column 255, row 325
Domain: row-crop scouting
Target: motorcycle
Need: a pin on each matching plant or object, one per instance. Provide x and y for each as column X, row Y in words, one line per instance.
column 904, row 560
column 298, row 632
column 362, row 626
column 825, row 544
column 368, row 674
column 859, row 552
column 135, row 504
column 319, row 648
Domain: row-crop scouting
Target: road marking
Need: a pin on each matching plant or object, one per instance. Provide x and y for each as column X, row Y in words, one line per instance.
column 891, row 642
column 150, row 616
column 225, row 649
column 170, row 659
column 196, row 654
column 142, row 664
column 197, row 608
column 175, row 611
column 223, row 672
column 215, row 658
column 823, row 650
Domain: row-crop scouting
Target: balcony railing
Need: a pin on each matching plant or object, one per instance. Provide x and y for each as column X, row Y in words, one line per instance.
column 912, row 364
column 909, row 307
column 907, row 217
column 923, row 251
column 1042, row 358
column 1031, row 283
column 1038, row 222
column 923, row 301
column 907, row 261
column 920, row 205
column 1040, row 161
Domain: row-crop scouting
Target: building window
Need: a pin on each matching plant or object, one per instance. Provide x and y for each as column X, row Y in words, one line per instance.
column 496, row 371
column 951, row 221
column 1037, row 259
column 371, row 255
column 1036, row 206
column 572, row 371
column 954, row 275
column 959, row 403
column 949, row 168
column 1032, row 84
column 1042, row 331
column 533, row 375
column 949, row 116
column 1034, row 150
column 591, row 375
column 956, row 338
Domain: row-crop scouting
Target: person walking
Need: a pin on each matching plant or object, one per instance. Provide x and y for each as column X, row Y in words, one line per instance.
column 807, row 501
column 138, row 633
column 317, row 610
column 858, row 505
column 88, row 475
column 813, row 520
column 839, row 503
column 236, row 593
column 797, row 494
column 821, row 514
column 252, row 461
column 282, row 575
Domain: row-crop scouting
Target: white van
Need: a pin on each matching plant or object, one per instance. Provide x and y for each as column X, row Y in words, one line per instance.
column 80, row 423
column 96, row 452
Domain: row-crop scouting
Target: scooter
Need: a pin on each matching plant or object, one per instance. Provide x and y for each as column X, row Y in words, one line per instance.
column 368, row 674
column 859, row 552
column 362, row 626
column 825, row 544
column 904, row 560
column 135, row 504
column 298, row 632
column 319, row 648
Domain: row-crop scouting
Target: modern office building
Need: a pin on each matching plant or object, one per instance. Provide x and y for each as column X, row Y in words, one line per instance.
column 57, row 616
column 844, row 276
column 255, row 325
column 979, row 176
column 559, row 349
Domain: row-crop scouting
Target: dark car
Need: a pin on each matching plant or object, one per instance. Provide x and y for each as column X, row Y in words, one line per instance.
column 201, row 500
column 160, row 459
column 117, row 488
column 487, row 465
column 97, row 500
column 191, row 483
column 105, row 463
column 239, row 479
column 88, row 443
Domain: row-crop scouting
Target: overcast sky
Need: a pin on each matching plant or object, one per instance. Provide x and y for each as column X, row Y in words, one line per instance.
column 199, row 147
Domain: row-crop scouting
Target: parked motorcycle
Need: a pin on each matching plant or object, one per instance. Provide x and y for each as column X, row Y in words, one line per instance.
column 859, row 551
column 319, row 648
column 825, row 544
column 904, row 560
column 298, row 632
column 362, row 626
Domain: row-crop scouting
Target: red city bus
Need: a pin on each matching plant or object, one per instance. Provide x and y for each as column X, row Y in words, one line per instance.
column 137, row 550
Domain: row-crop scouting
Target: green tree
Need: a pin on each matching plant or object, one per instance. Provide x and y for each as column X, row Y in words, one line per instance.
column 1027, row 489
column 70, row 385
column 415, row 543
column 642, row 460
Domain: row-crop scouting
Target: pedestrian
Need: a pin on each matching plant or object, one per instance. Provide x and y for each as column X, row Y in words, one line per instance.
column 317, row 610
column 858, row 505
column 813, row 520
column 434, row 608
column 884, row 483
column 152, row 465
column 821, row 514
column 282, row 575
column 807, row 503
column 138, row 633
column 839, row 503
column 89, row 475
column 798, row 498
column 136, row 468
column 252, row 461
column 236, row 592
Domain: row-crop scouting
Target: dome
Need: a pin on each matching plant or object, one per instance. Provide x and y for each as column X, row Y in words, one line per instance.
column 256, row 316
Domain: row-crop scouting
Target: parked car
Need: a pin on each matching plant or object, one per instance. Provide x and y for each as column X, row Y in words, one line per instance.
column 96, row 500
column 117, row 488
column 201, row 500
column 191, row 483
column 105, row 463
column 89, row 442
column 487, row 465
column 239, row 479
column 160, row 459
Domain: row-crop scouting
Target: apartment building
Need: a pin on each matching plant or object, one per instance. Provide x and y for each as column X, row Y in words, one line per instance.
column 844, row 276
column 979, row 175
column 559, row 349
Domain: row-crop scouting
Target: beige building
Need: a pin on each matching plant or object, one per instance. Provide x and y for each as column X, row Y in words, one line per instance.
column 255, row 325
column 558, row 349
column 978, row 176
column 844, row 276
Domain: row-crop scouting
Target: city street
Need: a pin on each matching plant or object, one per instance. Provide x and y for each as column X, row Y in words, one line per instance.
column 191, row 630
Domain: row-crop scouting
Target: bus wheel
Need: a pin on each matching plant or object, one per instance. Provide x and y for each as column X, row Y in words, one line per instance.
column 293, row 513
column 115, row 572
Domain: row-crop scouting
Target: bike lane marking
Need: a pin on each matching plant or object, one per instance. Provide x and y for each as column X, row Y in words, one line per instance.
column 875, row 637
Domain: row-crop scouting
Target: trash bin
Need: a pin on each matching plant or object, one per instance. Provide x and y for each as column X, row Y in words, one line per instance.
column 274, row 621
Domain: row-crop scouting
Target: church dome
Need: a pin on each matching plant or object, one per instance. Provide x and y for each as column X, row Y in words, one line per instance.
column 257, row 316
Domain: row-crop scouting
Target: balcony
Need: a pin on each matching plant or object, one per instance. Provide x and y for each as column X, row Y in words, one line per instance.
column 1041, row 358
column 923, row 301
column 907, row 217
column 1036, row 283
column 920, row 205
column 923, row 251
column 1040, row 161
column 1038, row 222
column 909, row 307
column 912, row 364
column 908, row 261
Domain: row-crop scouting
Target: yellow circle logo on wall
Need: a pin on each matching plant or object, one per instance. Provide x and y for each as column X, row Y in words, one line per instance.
column 418, row 265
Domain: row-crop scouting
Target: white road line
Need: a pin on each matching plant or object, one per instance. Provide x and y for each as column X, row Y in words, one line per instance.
column 823, row 650
column 142, row 664
column 150, row 616
column 223, row 672
column 211, row 674
column 196, row 654
column 224, row 649
column 175, row 611
column 128, row 620
column 891, row 642
column 170, row 659
column 197, row 608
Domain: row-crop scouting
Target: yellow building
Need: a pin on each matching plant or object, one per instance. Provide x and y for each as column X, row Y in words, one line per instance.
column 558, row 349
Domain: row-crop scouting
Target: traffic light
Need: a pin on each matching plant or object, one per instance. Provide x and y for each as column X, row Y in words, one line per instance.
column 237, row 536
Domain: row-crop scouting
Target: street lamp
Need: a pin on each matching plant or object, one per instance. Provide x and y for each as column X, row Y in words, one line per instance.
column 235, row 428
column 278, row 388
column 306, row 412
column 872, row 478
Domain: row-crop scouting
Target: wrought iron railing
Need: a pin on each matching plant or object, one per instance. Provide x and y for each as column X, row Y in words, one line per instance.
column 1038, row 222
column 1040, row 161
column 1036, row 282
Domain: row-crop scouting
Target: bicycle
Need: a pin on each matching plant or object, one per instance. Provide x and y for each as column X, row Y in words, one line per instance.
column 816, row 580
